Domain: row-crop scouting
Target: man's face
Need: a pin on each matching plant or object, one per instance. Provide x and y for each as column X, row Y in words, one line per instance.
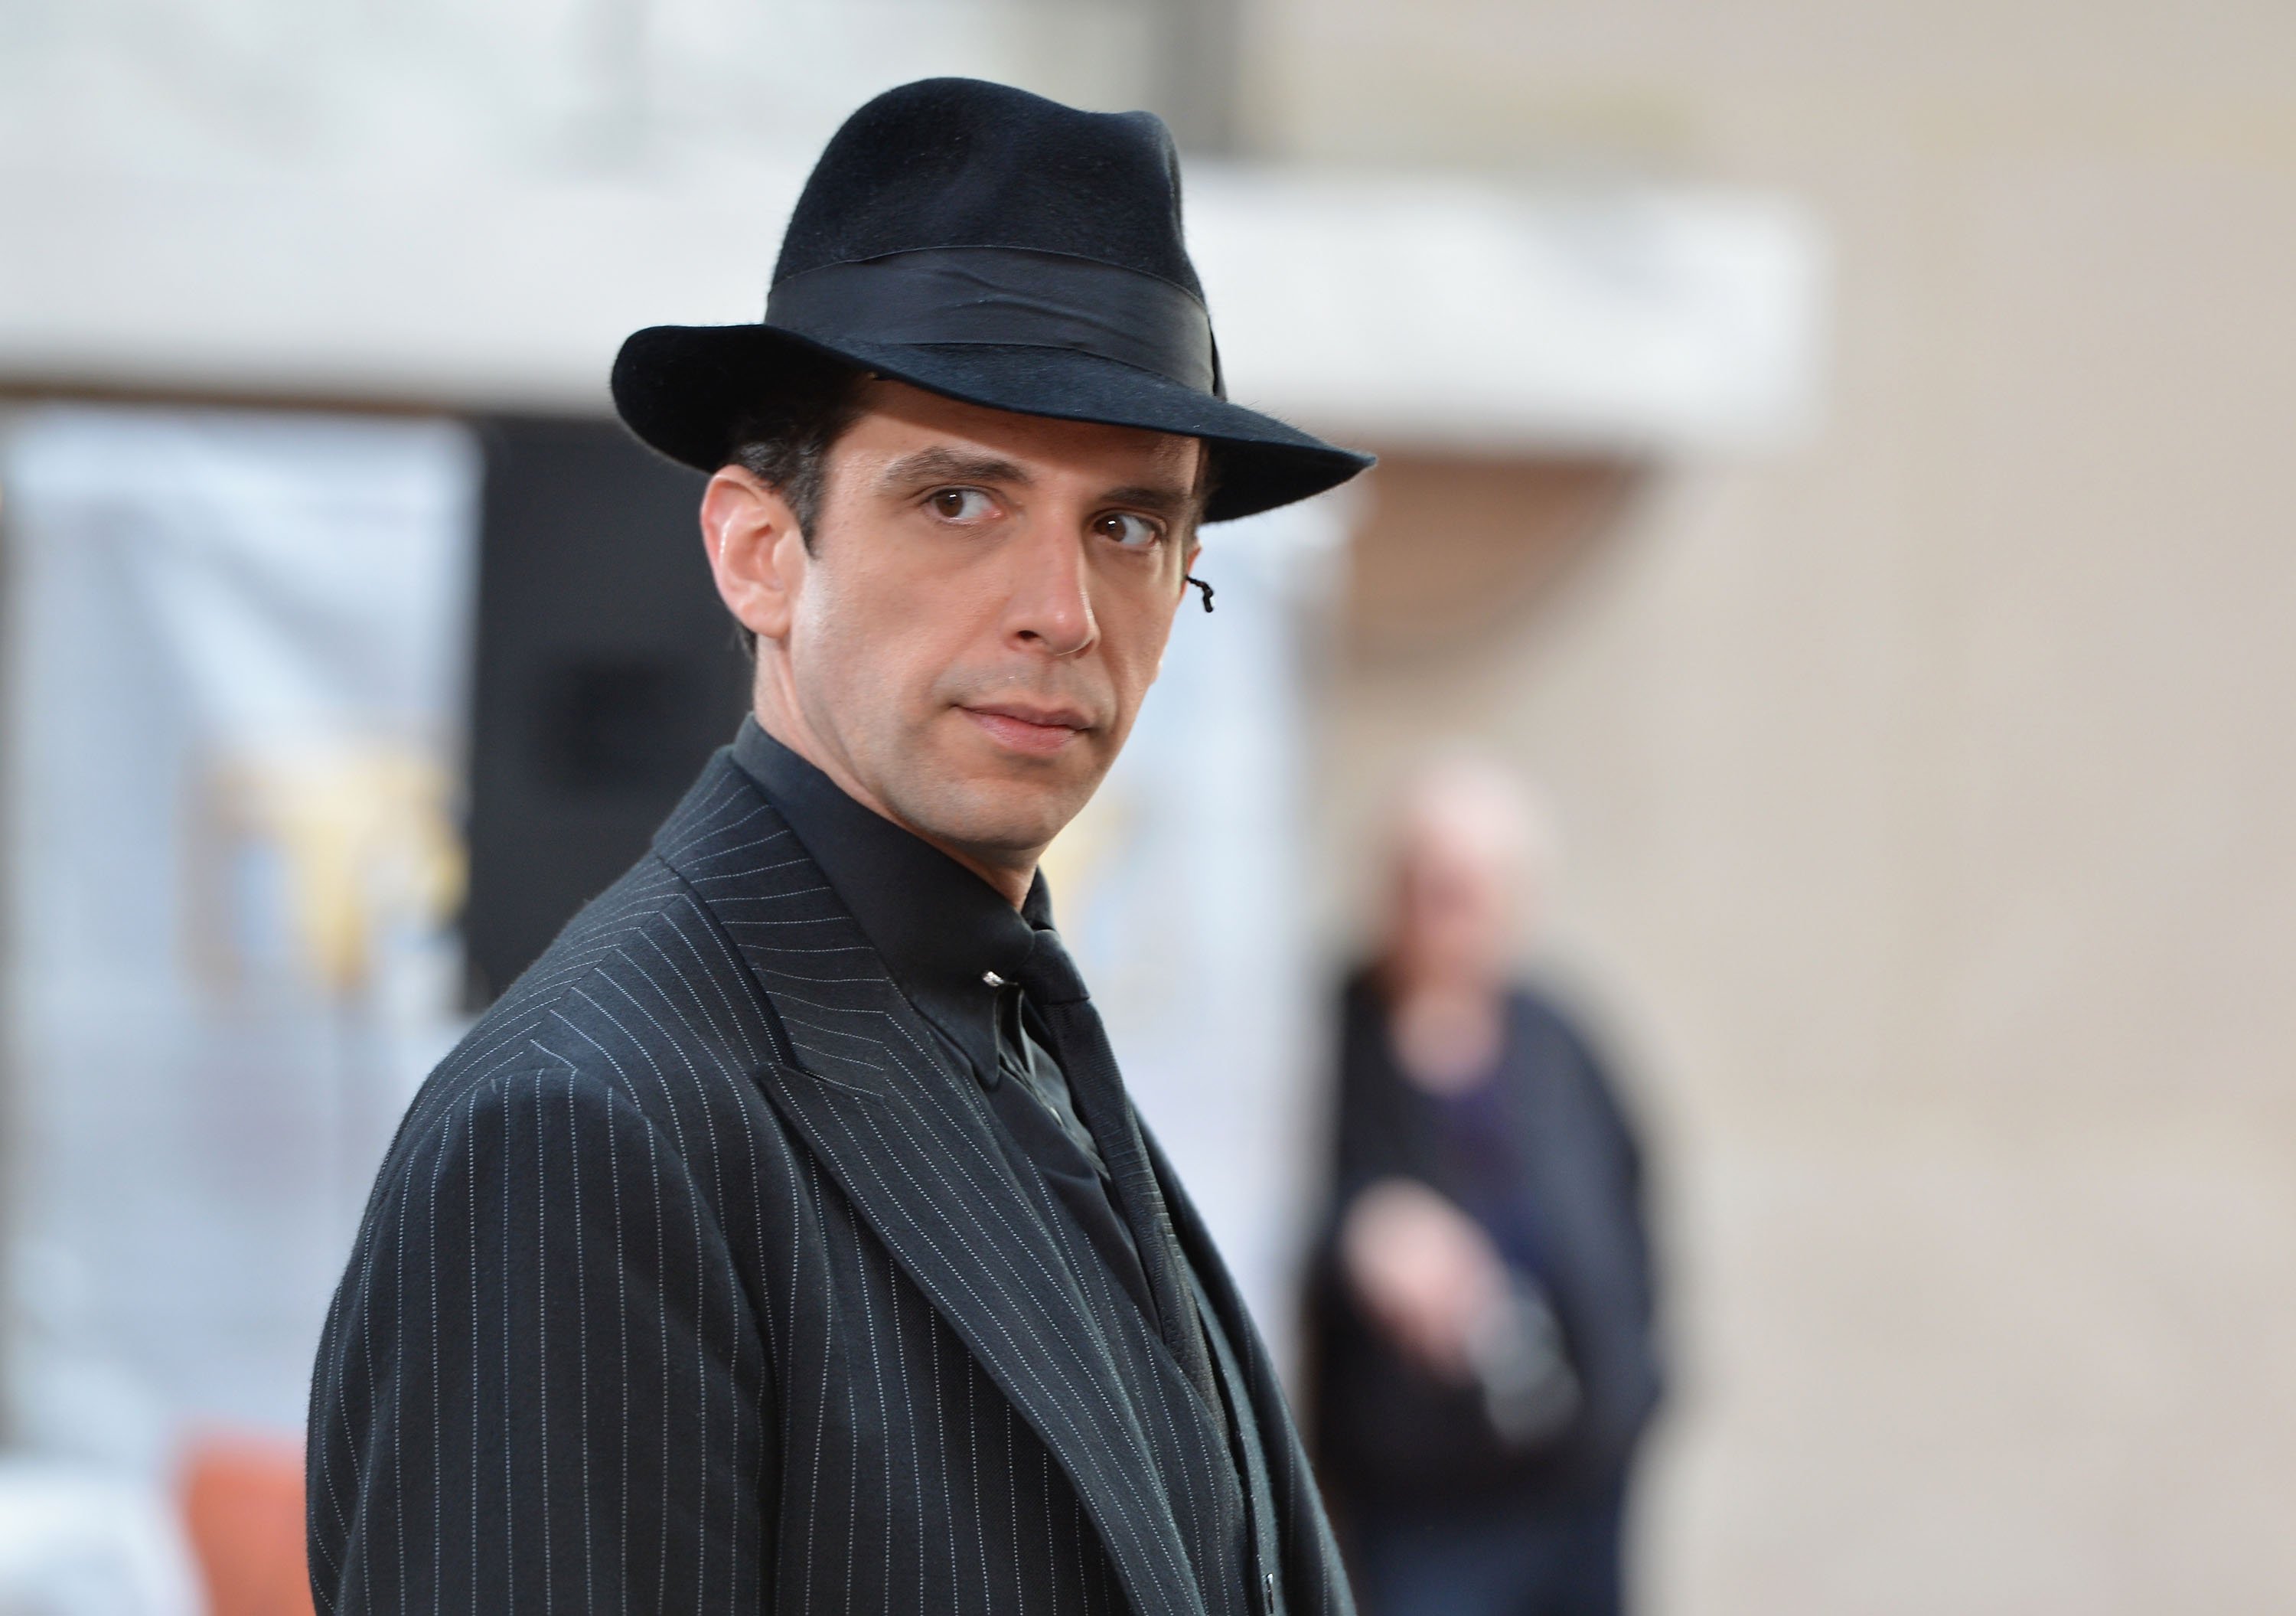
column 985, row 604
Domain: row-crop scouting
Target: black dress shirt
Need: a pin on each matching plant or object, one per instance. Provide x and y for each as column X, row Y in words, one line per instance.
column 954, row 946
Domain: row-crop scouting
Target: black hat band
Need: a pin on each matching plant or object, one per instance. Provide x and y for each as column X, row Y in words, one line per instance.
column 1004, row 296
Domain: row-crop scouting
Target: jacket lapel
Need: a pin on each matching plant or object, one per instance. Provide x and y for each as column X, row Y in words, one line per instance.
column 863, row 1081
column 1313, row 1580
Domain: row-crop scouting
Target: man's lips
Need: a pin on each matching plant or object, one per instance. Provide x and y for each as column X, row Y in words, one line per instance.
column 1039, row 731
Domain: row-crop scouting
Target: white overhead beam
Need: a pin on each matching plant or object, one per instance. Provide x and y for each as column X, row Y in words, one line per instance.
column 1397, row 310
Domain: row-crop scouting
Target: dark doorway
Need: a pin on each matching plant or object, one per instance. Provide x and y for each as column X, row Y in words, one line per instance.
column 606, row 672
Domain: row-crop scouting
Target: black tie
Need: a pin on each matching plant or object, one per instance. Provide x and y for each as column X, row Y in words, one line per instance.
column 1080, row 1044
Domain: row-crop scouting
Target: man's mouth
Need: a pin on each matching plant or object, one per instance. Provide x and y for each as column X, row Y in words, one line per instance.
column 1038, row 731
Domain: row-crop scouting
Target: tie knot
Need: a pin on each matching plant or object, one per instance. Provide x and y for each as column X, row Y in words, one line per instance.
column 1048, row 975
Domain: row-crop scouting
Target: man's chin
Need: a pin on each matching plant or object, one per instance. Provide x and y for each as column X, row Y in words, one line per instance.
column 1006, row 817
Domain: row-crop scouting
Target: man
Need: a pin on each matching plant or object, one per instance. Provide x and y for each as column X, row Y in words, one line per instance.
column 1486, row 1358
column 784, row 1239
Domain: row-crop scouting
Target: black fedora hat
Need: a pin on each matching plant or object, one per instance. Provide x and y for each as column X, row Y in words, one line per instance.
column 991, row 245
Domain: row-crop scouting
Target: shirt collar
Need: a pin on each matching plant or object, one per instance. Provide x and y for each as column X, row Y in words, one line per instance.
column 939, row 927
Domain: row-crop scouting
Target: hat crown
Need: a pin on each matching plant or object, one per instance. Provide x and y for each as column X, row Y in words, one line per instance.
column 958, row 163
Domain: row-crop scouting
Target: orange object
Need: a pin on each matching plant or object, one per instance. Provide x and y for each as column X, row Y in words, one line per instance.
column 242, row 1500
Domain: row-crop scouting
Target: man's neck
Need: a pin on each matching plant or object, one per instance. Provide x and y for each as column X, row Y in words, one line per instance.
column 792, row 731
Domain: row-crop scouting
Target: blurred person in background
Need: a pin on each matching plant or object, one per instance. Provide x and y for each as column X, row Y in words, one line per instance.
column 1482, row 1329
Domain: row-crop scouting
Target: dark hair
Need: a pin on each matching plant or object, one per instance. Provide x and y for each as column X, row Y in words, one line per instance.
column 784, row 441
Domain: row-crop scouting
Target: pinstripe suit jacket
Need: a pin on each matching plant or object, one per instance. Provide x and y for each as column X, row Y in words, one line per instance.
column 696, row 1279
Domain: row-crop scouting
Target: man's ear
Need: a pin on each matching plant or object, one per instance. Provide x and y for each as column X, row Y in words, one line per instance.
column 756, row 551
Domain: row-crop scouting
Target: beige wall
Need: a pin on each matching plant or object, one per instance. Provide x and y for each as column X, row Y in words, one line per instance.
column 1930, row 788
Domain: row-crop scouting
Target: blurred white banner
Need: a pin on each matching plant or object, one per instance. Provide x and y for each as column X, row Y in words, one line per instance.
column 233, row 697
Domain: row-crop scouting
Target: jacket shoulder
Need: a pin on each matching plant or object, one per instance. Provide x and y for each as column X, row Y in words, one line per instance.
column 641, row 996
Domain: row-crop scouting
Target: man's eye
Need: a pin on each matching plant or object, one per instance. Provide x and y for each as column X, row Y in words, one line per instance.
column 1133, row 532
column 959, row 505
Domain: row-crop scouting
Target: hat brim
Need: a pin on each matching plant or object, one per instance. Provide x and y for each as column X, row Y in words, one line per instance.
column 682, row 388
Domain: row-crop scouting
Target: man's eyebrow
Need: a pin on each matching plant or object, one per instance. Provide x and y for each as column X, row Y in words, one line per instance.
column 949, row 466
column 1157, row 498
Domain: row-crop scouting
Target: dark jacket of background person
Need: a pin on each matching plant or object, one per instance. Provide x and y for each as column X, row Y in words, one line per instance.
column 700, row 1278
column 1388, row 1434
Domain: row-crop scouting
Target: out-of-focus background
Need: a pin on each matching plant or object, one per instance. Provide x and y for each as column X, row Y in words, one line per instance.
column 1838, row 450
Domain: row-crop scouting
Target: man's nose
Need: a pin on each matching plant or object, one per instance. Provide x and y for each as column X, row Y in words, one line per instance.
column 1051, row 599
